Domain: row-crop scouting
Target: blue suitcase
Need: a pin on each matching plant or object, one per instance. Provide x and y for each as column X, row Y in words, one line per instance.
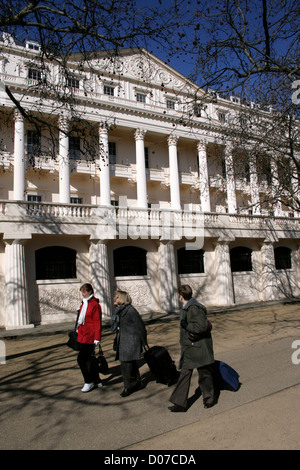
column 227, row 377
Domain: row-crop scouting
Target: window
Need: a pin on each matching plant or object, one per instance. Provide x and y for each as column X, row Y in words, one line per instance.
column 76, row 200
column 190, row 261
column 222, row 117
column 73, row 82
column 282, row 257
column 146, row 157
column 33, row 46
column 112, row 152
column 241, row 259
column 33, row 142
column 197, row 109
column 34, row 198
column 74, row 147
column 141, row 98
column 170, row 104
column 55, row 262
column 34, row 74
column 109, row 90
column 130, row 261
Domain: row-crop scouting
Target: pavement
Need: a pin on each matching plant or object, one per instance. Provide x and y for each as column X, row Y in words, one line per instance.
column 42, row 407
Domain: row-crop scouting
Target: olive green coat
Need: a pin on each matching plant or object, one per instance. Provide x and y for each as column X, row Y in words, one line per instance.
column 195, row 353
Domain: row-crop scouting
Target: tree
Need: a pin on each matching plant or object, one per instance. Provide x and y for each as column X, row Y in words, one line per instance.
column 250, row 49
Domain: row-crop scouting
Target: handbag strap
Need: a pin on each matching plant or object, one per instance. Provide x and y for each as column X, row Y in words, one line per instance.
column 75, row 328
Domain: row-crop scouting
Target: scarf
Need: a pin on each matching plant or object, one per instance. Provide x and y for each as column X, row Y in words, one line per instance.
column 85, row 302
column 116, row 317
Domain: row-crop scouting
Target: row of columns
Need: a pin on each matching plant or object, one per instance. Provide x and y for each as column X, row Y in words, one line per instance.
column 167, row 276
column 141, row 180
column 16, row 301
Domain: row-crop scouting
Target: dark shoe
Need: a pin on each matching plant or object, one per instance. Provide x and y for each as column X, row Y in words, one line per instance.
column 209, row 404
column 128, row 391
column 177, row 409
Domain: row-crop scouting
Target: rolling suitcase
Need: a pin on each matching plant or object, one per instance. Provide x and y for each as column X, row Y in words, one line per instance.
column 227, row 378
column 161, row 365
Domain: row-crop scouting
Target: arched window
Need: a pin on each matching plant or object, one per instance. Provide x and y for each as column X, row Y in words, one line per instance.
column 55, row 262
column 241, row 259
column 190, row 261
column 130, row 261
column 282, row 256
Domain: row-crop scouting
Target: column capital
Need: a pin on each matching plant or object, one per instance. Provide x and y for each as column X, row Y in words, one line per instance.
column 18, row 116
column 103, row 128
column 201, row 145
column 64, row 120
column 172, row 139
column 139, row 134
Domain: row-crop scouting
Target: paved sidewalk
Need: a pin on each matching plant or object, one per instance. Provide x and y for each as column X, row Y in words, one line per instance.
column 41, row 399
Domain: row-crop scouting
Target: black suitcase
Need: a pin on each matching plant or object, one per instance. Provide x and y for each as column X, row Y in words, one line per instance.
column 161, row 365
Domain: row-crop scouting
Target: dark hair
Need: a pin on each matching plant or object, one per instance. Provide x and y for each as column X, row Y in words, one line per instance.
column 87, row 287
column 185, row 291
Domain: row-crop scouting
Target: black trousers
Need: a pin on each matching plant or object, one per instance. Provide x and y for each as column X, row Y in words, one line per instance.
column 88, row 363
column 130, row 373
column 205, row 381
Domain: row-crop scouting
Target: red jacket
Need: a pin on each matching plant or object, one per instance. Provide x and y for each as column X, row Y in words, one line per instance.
column 91, row 330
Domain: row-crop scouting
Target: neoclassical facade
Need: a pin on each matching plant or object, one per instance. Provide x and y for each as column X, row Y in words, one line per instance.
column 130, row 184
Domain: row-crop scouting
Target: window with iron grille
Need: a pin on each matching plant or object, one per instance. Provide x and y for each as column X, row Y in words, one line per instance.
column 241, row 259
column 130, row 261
column 190, row 261
column 55, row 262
column 282, row 256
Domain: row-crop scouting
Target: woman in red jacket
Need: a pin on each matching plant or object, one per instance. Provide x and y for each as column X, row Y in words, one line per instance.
column 89, row 334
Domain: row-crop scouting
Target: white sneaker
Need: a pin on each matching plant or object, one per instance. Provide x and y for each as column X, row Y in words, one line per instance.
column 87, row 387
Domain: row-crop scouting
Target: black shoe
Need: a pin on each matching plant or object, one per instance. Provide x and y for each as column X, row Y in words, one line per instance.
column 177, row 409
column 128, row 391
column 209, row 405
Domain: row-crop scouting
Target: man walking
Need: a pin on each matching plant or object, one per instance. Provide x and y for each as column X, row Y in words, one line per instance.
column 196, row 352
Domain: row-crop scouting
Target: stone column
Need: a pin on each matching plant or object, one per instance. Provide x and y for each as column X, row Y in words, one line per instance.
column 277, row 209
column 104, row 167
column 174, row 175
column 230, row 180
column 268, row 275
column 100, row 276
column 254, row 188
column 223, row 275
column 19, row 157
column 64, row 162
column 167, row 277
column 203, row 176
column 141, row 181
column 16, row 303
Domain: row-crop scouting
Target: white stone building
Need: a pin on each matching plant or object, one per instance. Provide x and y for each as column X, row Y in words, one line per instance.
column 152, row 207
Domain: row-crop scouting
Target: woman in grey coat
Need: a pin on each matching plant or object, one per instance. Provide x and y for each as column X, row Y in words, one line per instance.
column 130, row 338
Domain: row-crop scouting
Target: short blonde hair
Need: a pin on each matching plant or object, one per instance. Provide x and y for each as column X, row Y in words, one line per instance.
column 123, row 297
